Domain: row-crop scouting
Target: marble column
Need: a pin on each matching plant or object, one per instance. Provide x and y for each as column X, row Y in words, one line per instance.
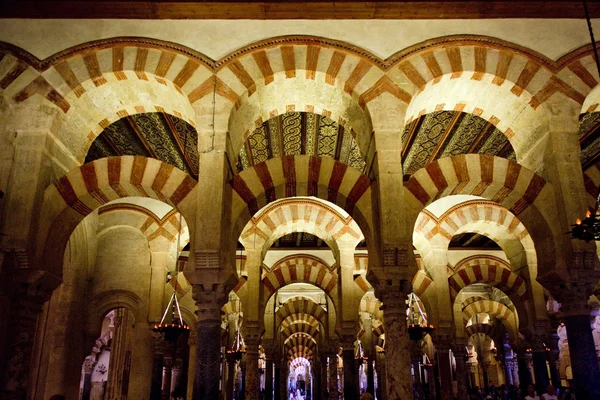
column 157, row 367
column 540, row 368
column 524, row 376
column 88, row 368
column 460, row 353
column 553, row 357
column 381, row 374
column 333, row 377
column 191, row 365
column 277, row 380
column 283, row 380
column 350, row 373
column 269, row 378
column 166, row 378
column 370, row 376
column 397, row 349
column 324, row 377
column 252, row 376
column 584, row 362
column 21, row 331
column 444, row 372
column 231, row 365
column 208, row 346
column 316, row 385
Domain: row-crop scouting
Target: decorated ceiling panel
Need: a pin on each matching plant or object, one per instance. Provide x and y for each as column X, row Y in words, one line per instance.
column 448, row 133
column 155, row 135
column 589, row 139
column 297, row 133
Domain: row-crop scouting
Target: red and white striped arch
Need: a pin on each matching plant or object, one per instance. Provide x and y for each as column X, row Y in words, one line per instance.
column 494, row 309
column 300, row 327
column 486, row 329
column 300, row 346
column 72, row 197
column 301, row 305
column 487, row 269
column 300, row 268
column 300, row 215
column 300, row 318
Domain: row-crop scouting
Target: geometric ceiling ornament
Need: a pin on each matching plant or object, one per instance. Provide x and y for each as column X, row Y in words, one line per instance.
column 297, row 133
column 152, row 135
column 448, row 133
column 589, row 139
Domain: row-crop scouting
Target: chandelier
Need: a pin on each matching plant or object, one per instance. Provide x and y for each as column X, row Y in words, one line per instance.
column 177, row 327
column 237, row 349
column 589, row 228
column 417, row 320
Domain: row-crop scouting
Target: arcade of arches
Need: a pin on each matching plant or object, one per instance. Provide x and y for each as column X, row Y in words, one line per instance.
column 296, row 190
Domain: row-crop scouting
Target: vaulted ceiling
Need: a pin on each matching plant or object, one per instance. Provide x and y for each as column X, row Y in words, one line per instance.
column 155, row 135
column 448, row 133
column 299, row 133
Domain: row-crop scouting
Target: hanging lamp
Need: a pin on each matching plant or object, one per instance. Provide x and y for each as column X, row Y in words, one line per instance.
column 588, row 229
column 417, row 320
column 172, row 331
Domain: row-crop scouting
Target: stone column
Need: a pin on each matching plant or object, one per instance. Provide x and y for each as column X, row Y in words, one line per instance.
column 157, row 367
column 277, row 380
column 231, row 365
column 209, row 300
column 350, row 371
column 252, row 377
column 191, row 369
column 269, row 378
column 540, row 369
column 333, row 376
column 166, row 378
column 460, row 353
column 370, row 376
column 316, row 385
column 445, row 371
column 25, row 308
column 381, row 374
column 393, row 292
column 524, row 376
column 584, row 362
column 88, row 368
column 283, row 379
column 553, row 357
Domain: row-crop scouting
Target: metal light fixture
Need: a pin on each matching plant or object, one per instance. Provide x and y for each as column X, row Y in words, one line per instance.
column 237, row 349
column 588, row 229
column 172, row 331
column 418, row 326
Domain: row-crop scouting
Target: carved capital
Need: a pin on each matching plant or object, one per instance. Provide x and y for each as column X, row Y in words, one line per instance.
column 209, row 300
column 443, row 339
column 394, row 256
column 252, row 333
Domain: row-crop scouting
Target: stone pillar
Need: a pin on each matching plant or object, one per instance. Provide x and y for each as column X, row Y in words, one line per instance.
column 444, row 371
column 88, row 368
column 393, row 292
column 540, row 368
column 209, row 300
column 381, row 376
column 283, row 380
column 553, row 358
column 333, row 376
column 166, row 378
column 269, row 376
column 370, row 376
column 277, row 380
column 242, row 391
column 231, row 365
column 524, row 376
column 350, row 372
column 191, row 369
column 584, row 362
column 460, row 353
column 24, row 311
column 252, row 341
column 316, row 385
column 157, row 367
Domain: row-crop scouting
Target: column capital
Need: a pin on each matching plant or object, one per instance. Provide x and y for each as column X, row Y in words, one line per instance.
column 210, row 298
column 443, row 339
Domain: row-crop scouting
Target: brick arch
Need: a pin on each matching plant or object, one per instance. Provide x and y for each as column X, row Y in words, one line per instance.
column 579, row 69
column 487, row 269
column 300, row 327
column 289, row 176
column 495, row 309
column 295, row 215
column 300, row 268
column 486, row 329
column 301, row 305
column 300, row 352
column 307, row 73
column 74, row 196
column 522, row 192
column 129, row 75
column 299, row 336
column 300, row 345
column 153, row 228
column 300, row 318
